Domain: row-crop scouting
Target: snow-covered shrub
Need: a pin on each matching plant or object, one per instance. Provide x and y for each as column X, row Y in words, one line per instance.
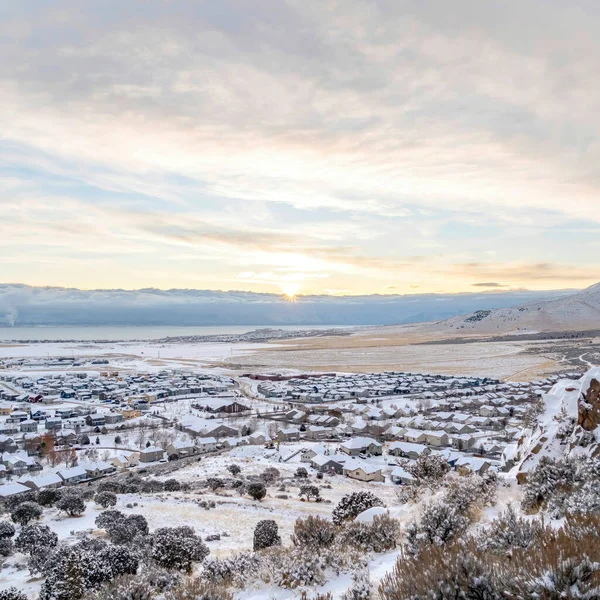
column 428, row 469
column 172, row 485
column 237, row 571
column 440, row 523
column 270, row 475
column 7, row 529
column 257, row 491
column 149, row 486
column 110, row 485
column 361, row 587
column 351, row 505
column 509, row 531
column 6, row 546
column 301, row 473
column 380, row 535
column 108, row 518
column 32, row 537
column 105, row 499
column 215, row 483
column 234, row 469
column 266, row 534
column 25, row 512
column 72, row 570
column 468, row 493
column 198, row 589
column 549, row 484
column 12, row 593
column 72, row 504
column 48, row 497
column 313, row 532
column 309, row 491
column 13, row 501
column 177, row 548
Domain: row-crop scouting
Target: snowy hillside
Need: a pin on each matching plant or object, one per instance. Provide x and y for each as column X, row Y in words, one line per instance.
column 568, row 426
column 574, row 312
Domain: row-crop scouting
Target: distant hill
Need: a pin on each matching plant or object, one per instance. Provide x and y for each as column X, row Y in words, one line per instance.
column 23, row 306
column 574, row 312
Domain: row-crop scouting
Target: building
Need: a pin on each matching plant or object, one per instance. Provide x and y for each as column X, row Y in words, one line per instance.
column 408, row 450
column 179, row 449
column 9, row 490
column 360, row 445
column 328, row 464
column 364, row 472
column 124, row 461
column 291, row 434
column 51, row 480
column 97, row 469
column 53, row 423
column 28, row 426
column 151, row 454
column 400, row 476
column 257, row 438
column 73, row 475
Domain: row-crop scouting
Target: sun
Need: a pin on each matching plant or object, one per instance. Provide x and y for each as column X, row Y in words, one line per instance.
column 290, row 290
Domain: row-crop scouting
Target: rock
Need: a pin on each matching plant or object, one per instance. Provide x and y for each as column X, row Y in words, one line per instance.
column 589, row 407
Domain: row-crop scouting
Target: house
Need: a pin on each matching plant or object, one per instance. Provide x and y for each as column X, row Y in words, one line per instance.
column 356, row 446
column 151, row 454
column 14, row 464
column 488, row 411
column 295, row 416
column 50, row 480
column 206, row 444
column 401, row 476
column 7, row 444
column 408, row 450
column 257, row 438
column 414, row 436
column 472, row 464
column 363, row 472
column 463, row 441
column 53, row 423
column 179, row 449
column 222, row 406
column 316, row 432
column 437, row 438
column 308, row 454
column 124, row 461
column 72, row 475
column 291, row 434
column 113, row 417
column 220, row 430
column 328, row 464
column 9, row 490
column 96, row 420
column 97, row 469
column 28, row 426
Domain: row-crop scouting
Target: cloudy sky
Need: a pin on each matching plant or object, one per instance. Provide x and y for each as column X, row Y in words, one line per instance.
column 383, row 146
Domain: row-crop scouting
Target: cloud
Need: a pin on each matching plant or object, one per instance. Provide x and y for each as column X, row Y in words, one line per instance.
column 325, row 136
column 491, row 284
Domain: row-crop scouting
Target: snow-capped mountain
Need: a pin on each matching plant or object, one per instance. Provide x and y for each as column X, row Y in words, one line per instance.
column 574, row 312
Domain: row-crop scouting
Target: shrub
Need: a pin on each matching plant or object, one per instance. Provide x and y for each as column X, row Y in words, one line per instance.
column 172, row 485
column 313, row 532
column 301, row 473
column 72, row 504
column 237, row 571
column 234, row 469
column 266, row 534
column 310, row 491
column 48, row 497
column 105, row 499
column 351, row 505
column 429, row 469
column 549, row 483
column 270, row 475
column 7, row 529
column 439, row 524
column 33, row 537
column 6, row 546
column 12, row 593
column 509, row 531
column 215, row 483
column 25, row 512
column 378, row 536
column 257, row 491
column 177, row 548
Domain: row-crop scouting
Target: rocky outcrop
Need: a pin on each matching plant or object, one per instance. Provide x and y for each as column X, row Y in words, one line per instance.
column 588, row 414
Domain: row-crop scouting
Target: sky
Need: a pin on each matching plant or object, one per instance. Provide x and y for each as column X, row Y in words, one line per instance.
column 306, row 146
